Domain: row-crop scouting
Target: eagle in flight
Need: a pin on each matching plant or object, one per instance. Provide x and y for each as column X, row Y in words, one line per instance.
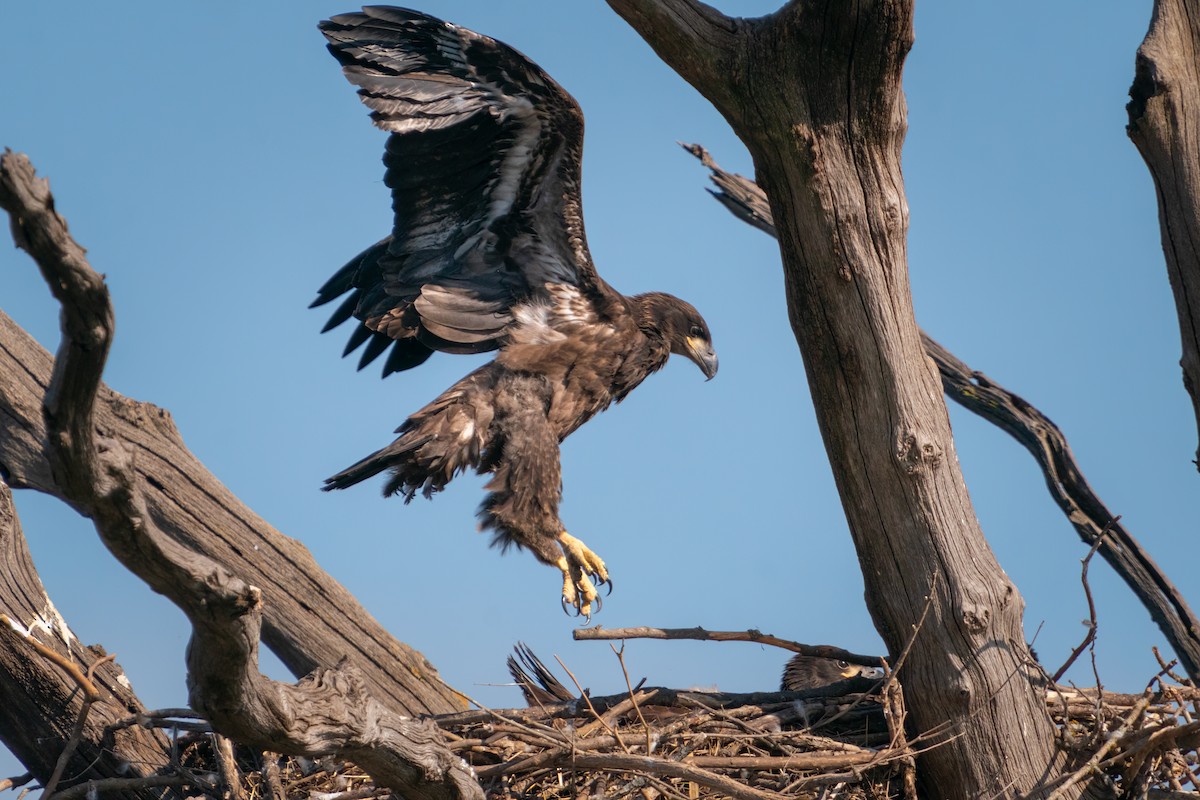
column 487, row 252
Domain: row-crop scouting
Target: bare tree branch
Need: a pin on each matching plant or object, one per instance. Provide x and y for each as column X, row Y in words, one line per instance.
column 1164, row 105
column 40, row 679
column 814, row 91
column 332, row 710
column 311, row 619
column 695, row 39
column 820, row 650
column 1036, row 433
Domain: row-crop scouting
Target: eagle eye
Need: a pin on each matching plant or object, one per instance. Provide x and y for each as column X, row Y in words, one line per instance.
column 843, row 664
column 696, row 331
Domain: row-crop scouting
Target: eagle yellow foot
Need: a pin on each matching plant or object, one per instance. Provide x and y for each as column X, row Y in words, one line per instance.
column 582, row 572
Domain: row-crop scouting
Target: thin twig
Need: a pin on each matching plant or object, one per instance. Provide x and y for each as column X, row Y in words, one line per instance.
column 1168, row 667
column 66, row 665
column 1087, row 591
column 60, row 766
column 620, row 654
column 653, row 766
column 1093, row 762
column 599, row 633
column 891, row 671
column 162, row 718
column 591, row 707
column 101, row 786
column 546, row 734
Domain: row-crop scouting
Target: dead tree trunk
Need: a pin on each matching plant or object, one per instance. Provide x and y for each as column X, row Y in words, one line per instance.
column 1163, row 109
column 40, row 702
column 1016, row 416
column 331, row 711
column 814, row 92
column 311, row 620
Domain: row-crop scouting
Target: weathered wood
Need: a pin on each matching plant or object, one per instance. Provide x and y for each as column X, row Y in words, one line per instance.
column 599, row 633
column 39, row 702
column 1043, row 439
column 332, row 711
column 311, row 619
column 1163, row 110
column 814, row 92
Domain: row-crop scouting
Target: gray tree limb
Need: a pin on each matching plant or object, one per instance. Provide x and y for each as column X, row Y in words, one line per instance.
column 1042, row 438
column 39, row 702
column 1163, row 109
column 332, row 711
column 310, row 620
column 814, row 92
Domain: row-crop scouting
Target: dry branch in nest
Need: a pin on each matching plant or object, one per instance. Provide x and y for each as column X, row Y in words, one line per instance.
column 656, row 742
column 331, row 711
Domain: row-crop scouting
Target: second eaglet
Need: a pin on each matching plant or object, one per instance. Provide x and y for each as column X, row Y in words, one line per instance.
column 488, row 252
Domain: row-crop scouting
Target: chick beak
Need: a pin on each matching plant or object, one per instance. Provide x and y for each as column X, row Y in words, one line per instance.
column 702, row 353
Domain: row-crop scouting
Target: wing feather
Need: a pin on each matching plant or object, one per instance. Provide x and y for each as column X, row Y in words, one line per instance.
column 483, row 164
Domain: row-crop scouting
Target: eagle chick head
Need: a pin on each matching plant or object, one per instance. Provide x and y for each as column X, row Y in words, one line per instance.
column 679, row 324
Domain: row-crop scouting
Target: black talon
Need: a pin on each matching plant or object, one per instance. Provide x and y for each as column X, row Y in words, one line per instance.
column 609, row 584
column 567, row 610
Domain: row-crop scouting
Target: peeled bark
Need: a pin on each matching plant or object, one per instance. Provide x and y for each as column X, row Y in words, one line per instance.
column 814, row 92
column 39, row 702
column 1163, row 110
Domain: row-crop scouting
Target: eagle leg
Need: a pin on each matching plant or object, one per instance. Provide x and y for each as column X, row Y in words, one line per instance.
column 582, row 571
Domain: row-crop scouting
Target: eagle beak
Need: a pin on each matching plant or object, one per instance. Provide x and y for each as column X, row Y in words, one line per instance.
column 703, row 354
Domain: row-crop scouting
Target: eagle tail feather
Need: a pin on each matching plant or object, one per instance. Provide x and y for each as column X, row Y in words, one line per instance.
column 394, row 455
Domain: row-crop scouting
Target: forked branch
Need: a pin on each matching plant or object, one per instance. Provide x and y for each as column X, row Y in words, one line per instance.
column 329, row 712
column 1036, row 433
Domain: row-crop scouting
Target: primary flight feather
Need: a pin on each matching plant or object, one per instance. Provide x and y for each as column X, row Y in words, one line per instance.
column 488, row 252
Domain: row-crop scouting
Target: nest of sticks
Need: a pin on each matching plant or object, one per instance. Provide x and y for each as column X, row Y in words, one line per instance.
column 650, row 743
column 685, row 744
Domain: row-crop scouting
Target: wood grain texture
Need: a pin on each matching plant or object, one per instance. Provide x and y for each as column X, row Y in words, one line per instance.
column 1164, row 123
column 311, row 619
column 39, row 702
column 331, row 711
column 1016, row 416
column 814, row 92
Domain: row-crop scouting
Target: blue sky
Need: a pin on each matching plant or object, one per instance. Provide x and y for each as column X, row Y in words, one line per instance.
column 219, row 168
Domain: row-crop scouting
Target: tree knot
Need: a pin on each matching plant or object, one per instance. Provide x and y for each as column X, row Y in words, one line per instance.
column 913, row 452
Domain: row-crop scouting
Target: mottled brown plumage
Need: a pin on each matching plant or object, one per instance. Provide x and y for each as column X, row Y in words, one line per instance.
column 488, row 252
column 813, row 672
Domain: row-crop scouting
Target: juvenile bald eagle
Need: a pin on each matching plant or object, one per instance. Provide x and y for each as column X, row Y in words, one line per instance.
column 487, row 252
column 813, row 672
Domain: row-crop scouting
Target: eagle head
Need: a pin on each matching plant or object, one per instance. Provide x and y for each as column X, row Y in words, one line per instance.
column 812, row 672
column 679, row 324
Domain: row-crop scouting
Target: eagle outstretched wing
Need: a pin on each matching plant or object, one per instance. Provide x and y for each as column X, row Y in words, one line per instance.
column 483, row 163
column 487, row 251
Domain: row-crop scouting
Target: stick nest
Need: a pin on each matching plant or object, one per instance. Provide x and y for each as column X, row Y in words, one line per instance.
column 653, row 743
